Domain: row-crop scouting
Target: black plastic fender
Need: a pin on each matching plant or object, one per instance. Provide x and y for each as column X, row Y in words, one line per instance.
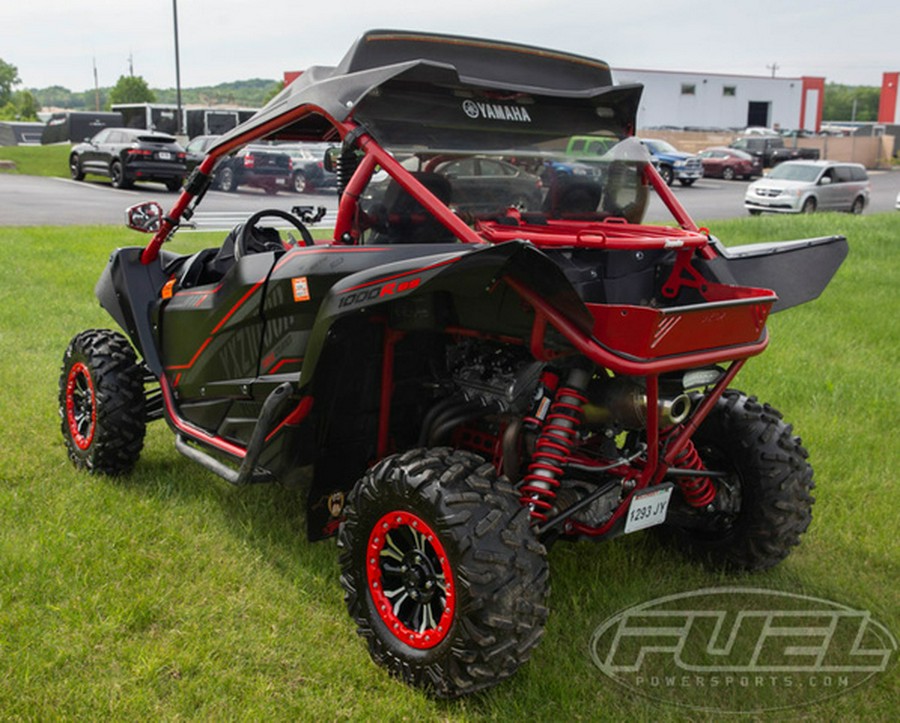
column 127, row 290
column 798, row 271
column 472, row 273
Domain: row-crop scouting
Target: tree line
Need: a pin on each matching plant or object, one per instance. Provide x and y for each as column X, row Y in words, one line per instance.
column 24, row 104
column 840, row 103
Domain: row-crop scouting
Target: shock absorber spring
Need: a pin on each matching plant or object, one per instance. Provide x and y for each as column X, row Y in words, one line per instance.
column 347, row 163
column 554, row 446
column 698, row 491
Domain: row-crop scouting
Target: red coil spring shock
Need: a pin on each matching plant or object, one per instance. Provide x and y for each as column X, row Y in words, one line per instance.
column 553, row 446
column 697, row 491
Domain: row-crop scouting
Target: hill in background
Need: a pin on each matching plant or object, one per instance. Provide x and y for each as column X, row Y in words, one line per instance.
column 244, row 93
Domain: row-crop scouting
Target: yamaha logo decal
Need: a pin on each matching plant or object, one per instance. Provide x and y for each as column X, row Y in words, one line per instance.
column 495, row 111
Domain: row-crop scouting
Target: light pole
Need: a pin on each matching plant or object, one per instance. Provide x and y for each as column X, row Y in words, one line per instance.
column 177, row 68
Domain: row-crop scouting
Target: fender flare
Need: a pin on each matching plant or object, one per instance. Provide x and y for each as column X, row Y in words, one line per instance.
column 468, row 272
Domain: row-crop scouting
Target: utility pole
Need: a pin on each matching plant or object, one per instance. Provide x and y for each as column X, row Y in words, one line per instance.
column 773, row 67
column 96, row 88
column 177, row 68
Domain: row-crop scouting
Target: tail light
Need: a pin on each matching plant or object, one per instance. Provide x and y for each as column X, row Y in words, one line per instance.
column 249, row 161
column 138, row 152
column 290, row 164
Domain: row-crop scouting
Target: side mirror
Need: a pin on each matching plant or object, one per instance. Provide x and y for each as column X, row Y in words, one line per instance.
column 144, row 217
column 330, row 161
column 825, row 181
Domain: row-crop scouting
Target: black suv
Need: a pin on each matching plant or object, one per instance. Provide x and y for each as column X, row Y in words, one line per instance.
column 127, row 155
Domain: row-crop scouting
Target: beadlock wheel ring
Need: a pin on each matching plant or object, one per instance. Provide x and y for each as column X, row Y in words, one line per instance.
column 81, row 410
column 410, row 580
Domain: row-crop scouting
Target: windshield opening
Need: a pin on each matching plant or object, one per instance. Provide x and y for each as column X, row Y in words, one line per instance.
column 795, row 172
column 582, row 178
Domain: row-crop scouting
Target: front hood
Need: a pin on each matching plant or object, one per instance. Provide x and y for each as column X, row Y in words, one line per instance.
column 674, row 157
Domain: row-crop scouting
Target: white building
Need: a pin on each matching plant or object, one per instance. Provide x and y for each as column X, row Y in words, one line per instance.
column 710, row 100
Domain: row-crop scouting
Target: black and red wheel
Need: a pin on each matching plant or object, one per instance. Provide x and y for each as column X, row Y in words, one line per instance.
column 101, row 402
column 442, row 572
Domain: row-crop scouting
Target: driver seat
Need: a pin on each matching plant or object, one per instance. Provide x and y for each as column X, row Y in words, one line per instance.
column 210, row 265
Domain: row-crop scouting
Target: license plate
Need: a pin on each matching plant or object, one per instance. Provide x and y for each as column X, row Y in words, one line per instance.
column 648, row 508
column 164, row 156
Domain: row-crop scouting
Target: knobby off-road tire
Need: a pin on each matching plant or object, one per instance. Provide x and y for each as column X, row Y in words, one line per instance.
column 768, row 468
column 442, row 572
column 101, row 402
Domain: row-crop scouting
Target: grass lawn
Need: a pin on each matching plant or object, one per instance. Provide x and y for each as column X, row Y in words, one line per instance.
column 169, row 595
column 50, row 160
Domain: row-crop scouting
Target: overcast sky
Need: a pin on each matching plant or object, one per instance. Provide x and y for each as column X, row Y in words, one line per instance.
column 56, row 42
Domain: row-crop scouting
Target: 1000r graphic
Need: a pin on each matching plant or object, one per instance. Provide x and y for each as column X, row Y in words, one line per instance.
column 490, row 354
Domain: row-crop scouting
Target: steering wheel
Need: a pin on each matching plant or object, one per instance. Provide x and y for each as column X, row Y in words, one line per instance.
column 245, row 238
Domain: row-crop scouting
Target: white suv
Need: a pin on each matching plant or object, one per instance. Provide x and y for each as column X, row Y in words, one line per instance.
column 808, row 186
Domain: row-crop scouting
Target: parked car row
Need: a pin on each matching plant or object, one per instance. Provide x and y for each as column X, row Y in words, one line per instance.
column 127, row 155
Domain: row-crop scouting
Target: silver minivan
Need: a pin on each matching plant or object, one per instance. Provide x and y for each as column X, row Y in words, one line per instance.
column 808, row 186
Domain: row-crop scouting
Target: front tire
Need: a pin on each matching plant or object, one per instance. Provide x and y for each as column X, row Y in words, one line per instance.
column 668, row 175
column 442, row 572
column 859, row 203
column 728, row 173
column 227, row 181
column 763, row 505
column 101, row 402
column 809, row 205
column 75, row 169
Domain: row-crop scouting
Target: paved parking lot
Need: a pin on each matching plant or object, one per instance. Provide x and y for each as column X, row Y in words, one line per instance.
column 33, row 201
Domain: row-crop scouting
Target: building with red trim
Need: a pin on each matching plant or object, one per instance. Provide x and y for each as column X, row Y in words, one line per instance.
column 715, row 101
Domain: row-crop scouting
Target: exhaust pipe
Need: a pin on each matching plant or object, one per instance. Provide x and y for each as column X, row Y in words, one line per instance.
column 621, row 401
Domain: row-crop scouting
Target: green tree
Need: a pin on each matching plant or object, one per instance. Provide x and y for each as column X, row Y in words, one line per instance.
column 131, row 89
column 27, row 106
column 838, row 103
column 9, row 77
column 22, row 107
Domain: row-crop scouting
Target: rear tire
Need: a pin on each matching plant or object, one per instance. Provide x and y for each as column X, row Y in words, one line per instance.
column 728, row 173
column 299, row 182
column 174, row 184
column 117, row 175
column 442, row 572
column 101, row 402
column 769, row 483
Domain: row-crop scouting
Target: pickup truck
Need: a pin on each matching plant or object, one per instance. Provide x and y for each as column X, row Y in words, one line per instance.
column 771, row 150
column 672, row 163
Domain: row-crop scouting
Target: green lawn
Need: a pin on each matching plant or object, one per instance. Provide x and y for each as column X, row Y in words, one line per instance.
column 50, row 160
column 169, row 595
